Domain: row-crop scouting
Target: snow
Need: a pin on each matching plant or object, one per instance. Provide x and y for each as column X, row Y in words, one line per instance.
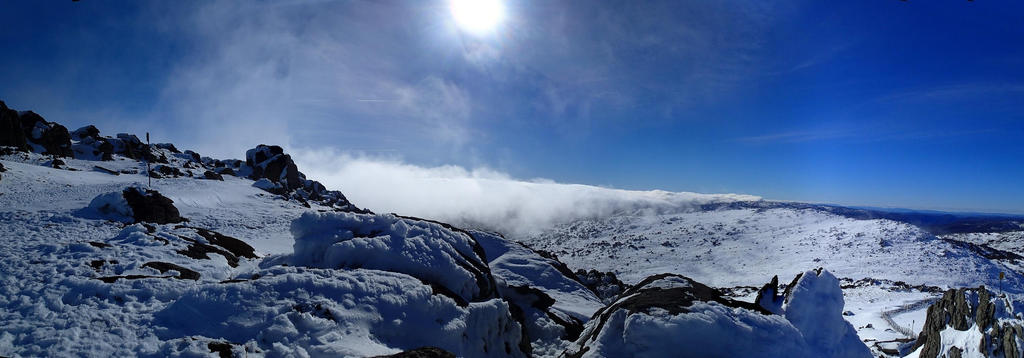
column 112, row 206
column 517, row 265
column 339, row 313
column 735, row 247
column 814, row 306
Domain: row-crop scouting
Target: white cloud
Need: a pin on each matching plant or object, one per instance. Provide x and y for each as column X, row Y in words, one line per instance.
column 479, row 197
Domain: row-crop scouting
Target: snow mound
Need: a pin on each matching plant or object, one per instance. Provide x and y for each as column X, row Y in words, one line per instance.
column 436, row 253
column 666, row 313
column 315, row 312
column 112, row 206
column 814, row 305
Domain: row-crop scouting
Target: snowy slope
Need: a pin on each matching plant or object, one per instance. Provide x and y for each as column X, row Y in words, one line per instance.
column 743, row 247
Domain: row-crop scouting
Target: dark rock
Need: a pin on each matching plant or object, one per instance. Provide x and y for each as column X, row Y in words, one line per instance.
column 89, row 131
column 56, row 163
column 212, row 176
column 11, row 132
column 52, row 137
column 985, row 313
column 105, row 170
column 768, row 296
column 101, row 245
column 954, row 311
column 195, row 156
column 2, row 169
column 315, row 309
column 270, row 162
column 163, row 267
column 166, row 171
column 226, row 171
column 235, row 246
column 150, row 206
column 229, row 247
column 424, row 352
column 167, row 146
column 223, row 349
column 604, row 284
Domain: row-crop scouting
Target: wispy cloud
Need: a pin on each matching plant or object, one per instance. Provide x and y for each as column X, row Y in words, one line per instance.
column 797, row 136
column 962, row 91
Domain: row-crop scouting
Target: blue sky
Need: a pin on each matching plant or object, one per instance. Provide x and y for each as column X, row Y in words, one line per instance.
column 916, row 104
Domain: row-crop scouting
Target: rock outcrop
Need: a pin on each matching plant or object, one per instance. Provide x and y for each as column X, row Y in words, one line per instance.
column 28, row 131
column 967, row 309
column 275, row 172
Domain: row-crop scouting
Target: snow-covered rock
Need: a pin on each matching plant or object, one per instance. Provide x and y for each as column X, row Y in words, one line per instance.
column 433, row 252
column 112, row 206
column 671, row 315
column 552, row 303
column 133, row 204
column 972, row 322
column 326, row 312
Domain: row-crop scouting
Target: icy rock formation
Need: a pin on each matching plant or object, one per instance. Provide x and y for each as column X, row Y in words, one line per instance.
column 969, row 322
column 671, row 315
column 444, row 257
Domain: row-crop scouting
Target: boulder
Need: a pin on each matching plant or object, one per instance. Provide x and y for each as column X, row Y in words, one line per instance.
column 212, row 175
column 11, row 132
column 28, row 131
column 150, row 206
column 271, row 163
column 47, row 137
column 89, row 131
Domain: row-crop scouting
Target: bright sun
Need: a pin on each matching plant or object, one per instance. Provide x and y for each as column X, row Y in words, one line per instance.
column 477, row 16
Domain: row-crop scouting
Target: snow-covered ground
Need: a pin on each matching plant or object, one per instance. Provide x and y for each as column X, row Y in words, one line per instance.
column 305, row 278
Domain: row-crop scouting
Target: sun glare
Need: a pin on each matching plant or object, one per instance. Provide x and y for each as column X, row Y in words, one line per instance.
column 477, row 16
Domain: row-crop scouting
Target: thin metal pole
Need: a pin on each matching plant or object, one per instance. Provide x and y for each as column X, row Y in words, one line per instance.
column 148, row 149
